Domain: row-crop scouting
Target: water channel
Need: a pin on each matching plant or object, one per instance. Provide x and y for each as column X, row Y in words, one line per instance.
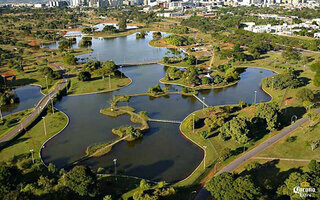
column 28, row 95
column 163, row 154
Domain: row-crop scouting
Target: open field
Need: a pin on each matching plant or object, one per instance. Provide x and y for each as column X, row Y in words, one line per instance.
column 9, row 122
column 35, row 137
column 96, row 85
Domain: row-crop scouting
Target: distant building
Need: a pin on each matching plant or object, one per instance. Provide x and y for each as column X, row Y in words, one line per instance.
column 168, row 14
column 75, row 3
column 8, row 77
column 39, row 5
column 57, row 3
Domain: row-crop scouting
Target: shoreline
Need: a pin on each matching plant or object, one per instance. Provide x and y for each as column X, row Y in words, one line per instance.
column 43, row 145
column 99, row 92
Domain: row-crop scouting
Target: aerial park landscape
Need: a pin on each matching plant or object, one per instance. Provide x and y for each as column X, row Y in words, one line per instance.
column 159, row 109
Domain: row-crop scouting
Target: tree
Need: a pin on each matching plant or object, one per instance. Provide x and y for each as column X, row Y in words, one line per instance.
column 270, row 113
column 291, row 54
column 305, row 94
column 227, row 186
column 315, row 67
column 45, row 183
column 81, row 180
column 237, row 128
column 64, row 45
column 144, row 185
column 107, row 197
column 85, row 42
column 70, row 59
column 307, row 105
column 84, row 76
column 294, row 180
column 191, row 60
column 316, row 79
column 314, row 166
column 205, row 80
column 122, row 24
column 109, row 29
column 51, row 168
column 9, row 178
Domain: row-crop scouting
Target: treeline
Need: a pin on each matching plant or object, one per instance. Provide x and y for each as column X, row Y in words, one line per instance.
column 264, row 181
column 227, row 29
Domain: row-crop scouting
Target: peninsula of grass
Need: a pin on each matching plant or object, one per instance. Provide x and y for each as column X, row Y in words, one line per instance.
column 34, row 137
column 9, row 122
column 124, row 133
column 99, row 150
column 140, row 118
column 97, row 85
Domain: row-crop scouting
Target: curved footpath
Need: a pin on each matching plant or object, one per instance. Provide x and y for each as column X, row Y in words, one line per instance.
column 204, row 194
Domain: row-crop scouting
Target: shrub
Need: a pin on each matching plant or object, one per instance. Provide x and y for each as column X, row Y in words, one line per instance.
column 84, row 76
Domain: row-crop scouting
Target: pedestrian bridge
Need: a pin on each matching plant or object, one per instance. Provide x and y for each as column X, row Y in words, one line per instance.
column 165, row 121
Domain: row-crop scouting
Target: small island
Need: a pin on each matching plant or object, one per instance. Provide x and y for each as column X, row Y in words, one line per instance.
column 200, row 78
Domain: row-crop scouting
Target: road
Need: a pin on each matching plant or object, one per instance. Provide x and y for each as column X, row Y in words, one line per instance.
column 39, row 107
column 204, row 194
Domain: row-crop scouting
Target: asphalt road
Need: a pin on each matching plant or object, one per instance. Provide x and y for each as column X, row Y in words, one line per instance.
column 39, row 107
column 37, row 110
column 204, row 194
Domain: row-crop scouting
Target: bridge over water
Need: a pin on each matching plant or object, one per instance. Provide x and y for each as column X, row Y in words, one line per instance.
column 140, row 63
column 165, row 121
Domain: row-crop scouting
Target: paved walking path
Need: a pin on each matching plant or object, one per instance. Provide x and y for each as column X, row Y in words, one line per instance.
column 201, row 101
column 204, row 194
column 140, row 63
column 285, row 159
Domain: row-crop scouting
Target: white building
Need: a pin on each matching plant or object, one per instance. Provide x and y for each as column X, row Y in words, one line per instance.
column 75, row 3
column 317, row 35
column 57, row 3
column 39, row 5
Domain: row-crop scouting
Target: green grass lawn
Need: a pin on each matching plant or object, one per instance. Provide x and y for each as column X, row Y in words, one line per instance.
column 299, row 148
column 212, row 146
column 96, row 85
column 9, row 122
column 35, row 137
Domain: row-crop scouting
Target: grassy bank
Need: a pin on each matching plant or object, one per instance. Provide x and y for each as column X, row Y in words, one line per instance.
column 97, row 85
column 9, row 122
column 35, row 137
column 200, row 87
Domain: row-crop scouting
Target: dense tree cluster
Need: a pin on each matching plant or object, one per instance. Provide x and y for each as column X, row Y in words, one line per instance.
column 237, row 128
column 270, row 113
column 141, row 35
column 315, row 67
column 47, row 71
column 283, row 81
column 109, row 29
column 179, row 29
column 85, row 42
column 146, row 192
column 178, row 40
column 248, row 184
column 231, row 186
column 84, row 76
column 7, row 97
column 70, row 59
column 123, row 131
column 156, row 90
